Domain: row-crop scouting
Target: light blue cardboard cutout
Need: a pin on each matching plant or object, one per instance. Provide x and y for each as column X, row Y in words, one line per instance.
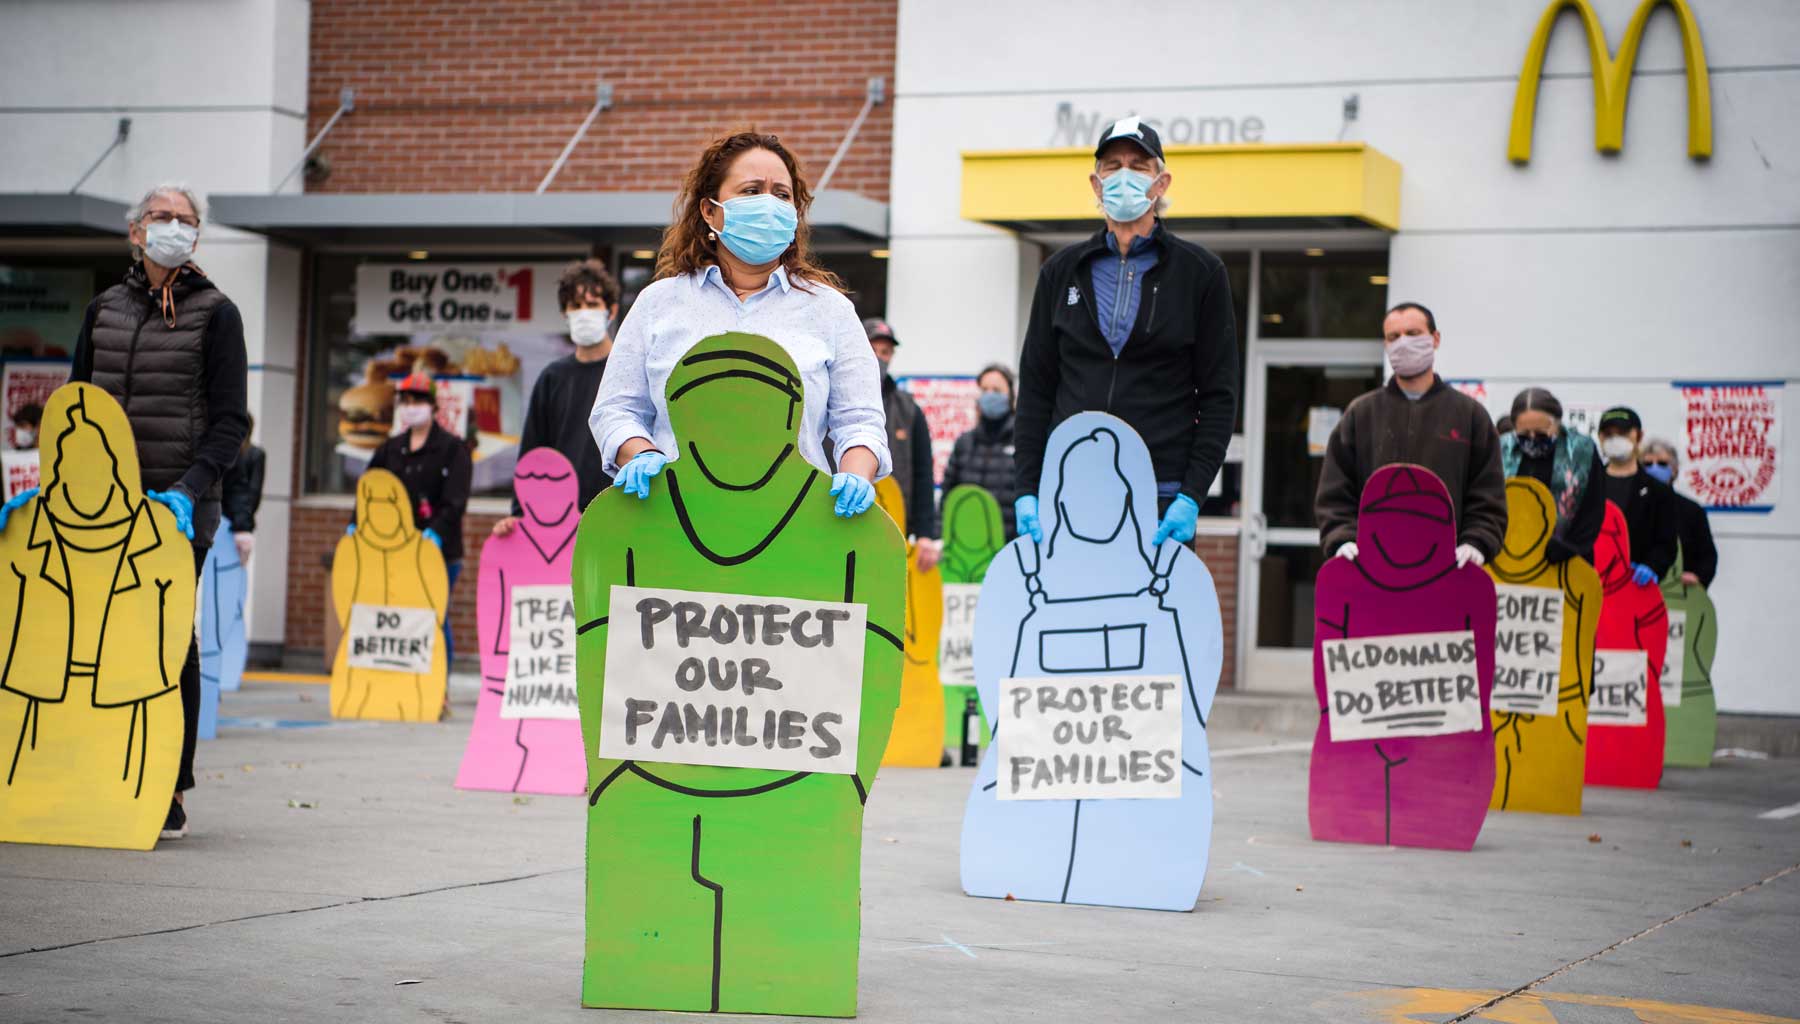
column 1126, row 853
column 224, row 647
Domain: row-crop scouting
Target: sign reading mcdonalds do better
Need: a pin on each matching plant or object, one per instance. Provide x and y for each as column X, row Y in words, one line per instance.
column 1548, row 613
column 917, row 739
column 526, row 737
column 1096, row 657
column 1625, row 713
column 738, row 651
column 1403, row 666
column 389, row 589
column 1689, row 708
column 97, row 628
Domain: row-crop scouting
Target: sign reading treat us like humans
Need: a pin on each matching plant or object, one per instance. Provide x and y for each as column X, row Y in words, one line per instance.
column 1090, row 737
column 1528, row 639
column 1420, row 684
column 1619, row 688
column 540, row 668
column 733, row 680
column 395, row 639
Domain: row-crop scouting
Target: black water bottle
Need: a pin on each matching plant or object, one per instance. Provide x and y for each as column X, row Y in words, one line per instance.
column 971, row 732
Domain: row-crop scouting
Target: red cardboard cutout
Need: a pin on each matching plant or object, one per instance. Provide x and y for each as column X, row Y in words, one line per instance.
column 1631, row 617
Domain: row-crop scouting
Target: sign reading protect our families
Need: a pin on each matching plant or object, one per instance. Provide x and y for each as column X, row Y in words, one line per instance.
column 395, row 639
column 1417, row 684
column 1620, row 688
column 1675, row 662
column 1528, row 635
column 733, row 680
column 956, row 640
column 1090, row 738
column 540, row 667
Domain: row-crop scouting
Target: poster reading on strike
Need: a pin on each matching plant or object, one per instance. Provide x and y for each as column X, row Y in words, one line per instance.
column 733, row 680
column 1417, row 684
column 394, row 639
column 540, row 667
column 1528, row 632
column 1675, row 660
column 401, row 298
column 28, row 382
column 1090, row 738
column 1619, row 688
column 1730, row 445
column 21, row 469
column 949, row 407
column 956, row 643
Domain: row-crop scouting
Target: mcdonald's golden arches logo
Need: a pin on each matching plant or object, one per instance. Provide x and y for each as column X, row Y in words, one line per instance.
column 1612, row 78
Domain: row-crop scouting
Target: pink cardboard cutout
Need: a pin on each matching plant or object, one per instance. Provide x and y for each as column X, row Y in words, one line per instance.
column 1631, row 618
column 1427, row 791
column 524, row 755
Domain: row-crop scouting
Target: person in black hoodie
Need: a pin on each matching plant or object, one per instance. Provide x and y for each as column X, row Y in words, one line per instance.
column 1648, row 503
column 983, row 455
column 242, row 497
column 1104, row 337
column 1699, row 555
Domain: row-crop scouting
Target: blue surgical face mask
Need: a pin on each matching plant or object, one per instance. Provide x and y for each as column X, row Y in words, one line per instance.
column 994, row 404
column 759, row 228
column 1126, row 194
column 1659, row 471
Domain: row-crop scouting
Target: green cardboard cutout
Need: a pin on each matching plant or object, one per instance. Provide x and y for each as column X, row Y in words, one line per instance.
column 1693, row 725
column 713, row 888
column 974, row 532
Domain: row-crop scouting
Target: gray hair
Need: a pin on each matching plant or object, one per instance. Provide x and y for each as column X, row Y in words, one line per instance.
column 136, row 213
column 1657, row 444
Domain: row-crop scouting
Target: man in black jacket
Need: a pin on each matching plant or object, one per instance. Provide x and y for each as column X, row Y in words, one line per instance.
column 909, row 443
column 1699, row 555
column 1648, row 503
column 242, row 497
column 1103, row 337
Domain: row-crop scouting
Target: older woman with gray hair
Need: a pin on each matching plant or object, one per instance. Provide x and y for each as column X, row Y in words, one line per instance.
column 1699, row 556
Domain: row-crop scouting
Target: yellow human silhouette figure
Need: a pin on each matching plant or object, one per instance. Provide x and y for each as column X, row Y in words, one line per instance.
column 100, row 602
column 918, row 737
column 387, row 562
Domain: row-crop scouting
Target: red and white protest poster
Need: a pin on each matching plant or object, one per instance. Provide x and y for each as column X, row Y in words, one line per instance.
column 28, row 382
column 949, row 407
column 20, row 470
column 1731, row 442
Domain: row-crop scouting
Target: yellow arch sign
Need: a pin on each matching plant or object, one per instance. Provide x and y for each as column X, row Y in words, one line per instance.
column 1612, row 78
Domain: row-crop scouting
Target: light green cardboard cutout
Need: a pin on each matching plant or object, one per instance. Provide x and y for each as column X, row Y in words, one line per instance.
column 732, row 889
column 1693, row 725
column 974, row 532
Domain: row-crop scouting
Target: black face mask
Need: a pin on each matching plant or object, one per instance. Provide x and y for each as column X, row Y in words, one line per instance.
column 1536, row 446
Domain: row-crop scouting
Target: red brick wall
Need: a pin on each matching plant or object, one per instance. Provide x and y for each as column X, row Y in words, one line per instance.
column 1221, row 557
column 482, row 97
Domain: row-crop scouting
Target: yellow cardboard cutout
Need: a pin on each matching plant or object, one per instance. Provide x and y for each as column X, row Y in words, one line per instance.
column 918, row 737
column 98, row 612
column 387, row 562
column 1540, row 760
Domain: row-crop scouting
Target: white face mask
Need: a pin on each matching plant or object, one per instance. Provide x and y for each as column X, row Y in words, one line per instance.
column 1411, row 354
column 25, row 436
column 1617, row 448
column 169, row 243
column 588, row 326
column 415, row 415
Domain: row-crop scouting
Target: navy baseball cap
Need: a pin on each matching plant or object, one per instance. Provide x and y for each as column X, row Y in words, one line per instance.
column 1134, row 129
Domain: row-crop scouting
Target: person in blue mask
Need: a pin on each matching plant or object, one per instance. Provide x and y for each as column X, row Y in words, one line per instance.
column 983, row 455
column 736, row 258
column 1699, row 555
column 1138, row 323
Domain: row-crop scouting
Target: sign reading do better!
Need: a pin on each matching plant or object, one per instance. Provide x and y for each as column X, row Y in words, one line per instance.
column 1090, row 738
column 1418, row 684
column 733, row 680
column 393, row 639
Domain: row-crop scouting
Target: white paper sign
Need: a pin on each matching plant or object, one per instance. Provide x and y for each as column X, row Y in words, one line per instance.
column 1321, row 420
column 1415, row 684
column 1528, row 634
column 394, row 639
column 1620, row 696
column 1675, row 661
column 733, row 680
column 956, row 642
column 21, row 470
column 540, row 664
column 1090, row 738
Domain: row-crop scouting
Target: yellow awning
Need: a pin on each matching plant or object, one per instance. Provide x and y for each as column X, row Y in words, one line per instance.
column 1347, row 181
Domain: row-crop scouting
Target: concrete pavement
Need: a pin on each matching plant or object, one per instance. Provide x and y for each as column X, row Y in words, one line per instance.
column 334, row 873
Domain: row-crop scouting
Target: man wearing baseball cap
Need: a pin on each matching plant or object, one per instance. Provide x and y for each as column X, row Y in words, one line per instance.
column 909, row 441
column 1138, row 323
column 1648, row 503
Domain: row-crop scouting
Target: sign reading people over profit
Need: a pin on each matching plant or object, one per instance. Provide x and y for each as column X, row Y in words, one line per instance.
column 540, row 667
column 1090, row 738
column 1731, row 443
column 1675, row 662
column 1619, row 688
column 733, row 680
column 1419, row 684
column 956, row 641
column 1527, row 649
column 396, row 639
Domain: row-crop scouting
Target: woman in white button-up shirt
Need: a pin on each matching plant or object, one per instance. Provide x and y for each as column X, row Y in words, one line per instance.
column 736, row 259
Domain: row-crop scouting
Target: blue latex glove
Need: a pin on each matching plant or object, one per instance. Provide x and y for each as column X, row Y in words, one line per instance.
column 854, row 494
column 1641, row 574
column 1025, row 511
column 1178, row 522
column 181, row 505
column 634, row 476
column 15, row 501
column 350, row 531
column 431, row 535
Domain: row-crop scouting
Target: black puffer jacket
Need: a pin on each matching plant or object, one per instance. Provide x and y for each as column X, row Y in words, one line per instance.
column 182, row 386
column 983, row 456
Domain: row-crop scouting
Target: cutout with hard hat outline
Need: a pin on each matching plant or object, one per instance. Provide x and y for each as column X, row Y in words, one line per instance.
column 974, row 532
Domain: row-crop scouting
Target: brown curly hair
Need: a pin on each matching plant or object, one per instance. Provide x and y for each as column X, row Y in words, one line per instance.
column 685, row 246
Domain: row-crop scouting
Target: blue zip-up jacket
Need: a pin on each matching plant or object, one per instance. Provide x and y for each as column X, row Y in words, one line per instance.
column 1119, row 285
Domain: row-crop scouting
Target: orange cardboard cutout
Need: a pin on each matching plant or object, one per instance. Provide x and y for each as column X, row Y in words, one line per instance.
column 918, row 737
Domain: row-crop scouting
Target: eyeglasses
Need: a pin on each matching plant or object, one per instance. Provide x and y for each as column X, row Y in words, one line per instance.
column 165, row 216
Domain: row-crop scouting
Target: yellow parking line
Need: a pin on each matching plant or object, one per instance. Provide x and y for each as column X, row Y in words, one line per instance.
column 263, row 676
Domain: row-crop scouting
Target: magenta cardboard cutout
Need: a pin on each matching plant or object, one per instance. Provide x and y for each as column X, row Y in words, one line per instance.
column 525, row 755
column 1428, row 791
